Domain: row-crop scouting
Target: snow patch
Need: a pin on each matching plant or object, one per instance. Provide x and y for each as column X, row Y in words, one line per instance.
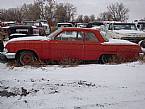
column 119, row 42
column 29, row 38
column 91, row 86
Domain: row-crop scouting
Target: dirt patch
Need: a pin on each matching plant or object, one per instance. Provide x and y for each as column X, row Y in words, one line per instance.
column 5, row 93
column 22, row 92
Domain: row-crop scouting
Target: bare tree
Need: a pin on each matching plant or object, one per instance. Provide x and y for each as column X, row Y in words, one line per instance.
column 79, row 18
column 118, row 11
column 60, row 13
column 50, row 10
column 86, row 19
column 92, row 18
column 11, row 14
column 31, row 11
column 105, row 16
column 3, row 14
column 64, row 12
column 41, row 9
column 70, row 11
column 46, row 8
column 40, row 4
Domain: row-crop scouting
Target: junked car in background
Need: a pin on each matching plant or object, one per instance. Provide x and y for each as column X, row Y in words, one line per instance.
column 43, row 25
column 141, row 25
column 74, row 43
column 9, row 23
column 126, row 31
column 22, row 31
column 28, row 22
column 67, row 24
column 95, row 25
column 81, row 25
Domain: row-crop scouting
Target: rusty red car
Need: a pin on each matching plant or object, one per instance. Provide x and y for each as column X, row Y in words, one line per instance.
column 75, row 43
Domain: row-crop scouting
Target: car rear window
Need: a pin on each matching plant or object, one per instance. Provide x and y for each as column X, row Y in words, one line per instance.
column 91, row 37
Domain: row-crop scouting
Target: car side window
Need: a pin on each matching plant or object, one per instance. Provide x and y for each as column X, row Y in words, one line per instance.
column 91, row 37
column 70, row 36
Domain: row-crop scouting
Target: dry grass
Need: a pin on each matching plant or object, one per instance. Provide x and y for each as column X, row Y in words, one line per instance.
column 118, row 60
column 69, row 62
column 13, row 63
column 142, row 59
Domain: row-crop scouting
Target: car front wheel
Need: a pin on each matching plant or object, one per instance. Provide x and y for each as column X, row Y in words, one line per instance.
column 26, row 58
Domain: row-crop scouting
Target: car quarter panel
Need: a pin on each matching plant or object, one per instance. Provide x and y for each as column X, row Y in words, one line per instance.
column 122, row 51
column 35, row 46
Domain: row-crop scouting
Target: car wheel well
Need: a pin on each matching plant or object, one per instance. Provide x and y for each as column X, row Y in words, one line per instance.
column 20, row 51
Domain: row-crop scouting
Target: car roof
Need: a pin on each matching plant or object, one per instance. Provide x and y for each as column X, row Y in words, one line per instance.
column 78, row 29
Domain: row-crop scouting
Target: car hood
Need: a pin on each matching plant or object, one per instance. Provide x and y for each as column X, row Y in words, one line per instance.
column 29, row 38
column 118, row 42
column 128, row 32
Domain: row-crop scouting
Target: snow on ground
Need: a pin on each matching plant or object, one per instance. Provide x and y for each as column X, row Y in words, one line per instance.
column 91, row 86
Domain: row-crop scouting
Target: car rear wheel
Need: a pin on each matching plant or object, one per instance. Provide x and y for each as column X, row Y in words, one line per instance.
column 26, row 58
column 105, row 59
column 142, row 43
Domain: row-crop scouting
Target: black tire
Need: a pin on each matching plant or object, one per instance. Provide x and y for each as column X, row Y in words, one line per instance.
column 3, row 58
column 26, row 58
column 142, row 43
column 1, row 46
column 105, row 59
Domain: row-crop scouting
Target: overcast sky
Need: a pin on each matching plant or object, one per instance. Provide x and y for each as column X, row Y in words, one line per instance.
column 88, row 7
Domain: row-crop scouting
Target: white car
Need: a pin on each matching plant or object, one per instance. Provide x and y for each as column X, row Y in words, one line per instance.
column 95, row 25
column 62, row 25
column 126, row 31
column 81, row 25
column 141, row 25
column 43, row 24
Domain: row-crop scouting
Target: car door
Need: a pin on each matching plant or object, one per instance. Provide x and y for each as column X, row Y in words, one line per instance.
column 67, row 44
column 92, row 46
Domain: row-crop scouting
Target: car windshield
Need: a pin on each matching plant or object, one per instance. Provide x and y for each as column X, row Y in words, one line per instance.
column 141, row 25
column 52, row 35
column 64, row 25
column 82, row 25
column 122, row 26
column 97, row 24
column 94, row 24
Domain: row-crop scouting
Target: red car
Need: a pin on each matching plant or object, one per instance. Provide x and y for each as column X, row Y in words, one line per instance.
column 75, row 43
